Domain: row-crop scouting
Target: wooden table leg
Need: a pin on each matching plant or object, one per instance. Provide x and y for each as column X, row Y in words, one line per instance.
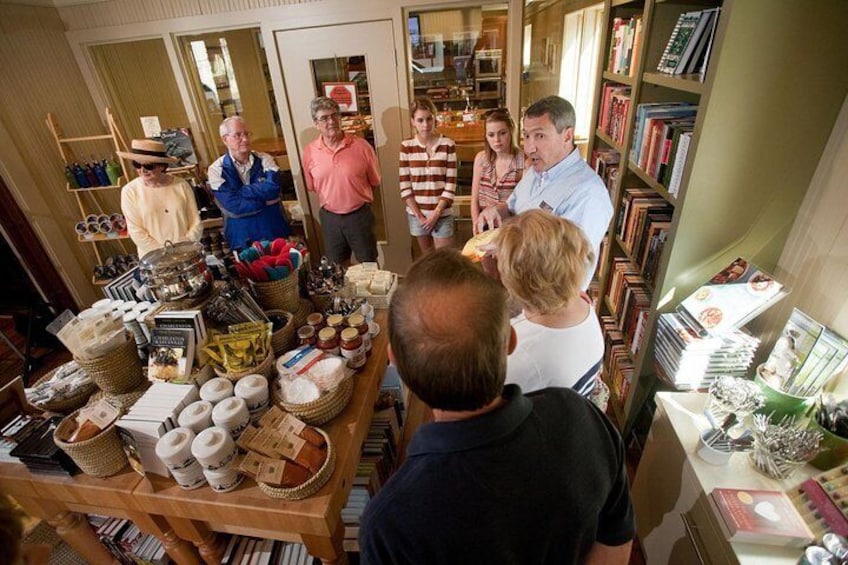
column 77, row 533
column 328, row 550
column 210, row 545
column 180, row 550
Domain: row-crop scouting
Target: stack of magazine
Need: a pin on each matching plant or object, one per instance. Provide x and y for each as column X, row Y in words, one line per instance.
column 703, row 339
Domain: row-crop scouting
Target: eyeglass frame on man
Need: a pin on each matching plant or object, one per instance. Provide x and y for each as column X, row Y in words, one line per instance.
column 327, row 117
column 240, row 134
column 146, row 166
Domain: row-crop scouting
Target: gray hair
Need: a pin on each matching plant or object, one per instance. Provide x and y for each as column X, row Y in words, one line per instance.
column 224, row 128
column 322, row 103
column 559, row 109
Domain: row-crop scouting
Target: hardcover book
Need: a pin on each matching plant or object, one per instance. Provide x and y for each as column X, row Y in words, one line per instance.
column 733, row 297
column 759, row 516
column 171, row 354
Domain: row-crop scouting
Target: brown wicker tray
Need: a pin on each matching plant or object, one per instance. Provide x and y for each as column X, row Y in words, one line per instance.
column 70, row 403
column 311, row 486
column 322, row 410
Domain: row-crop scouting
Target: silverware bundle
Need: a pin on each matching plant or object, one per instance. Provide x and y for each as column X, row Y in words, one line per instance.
column 737, row 395
column 719, row 439
column 234, row 305
column 779, row 449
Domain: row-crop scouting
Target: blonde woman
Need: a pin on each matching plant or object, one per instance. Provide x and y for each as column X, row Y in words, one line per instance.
column 428, row 179
column 498, row 168
column 542, row 260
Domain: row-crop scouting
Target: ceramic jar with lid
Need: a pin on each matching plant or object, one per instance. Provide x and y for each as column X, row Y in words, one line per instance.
column 197, row 416
column 254, row 390
column 224, row 479
column 215, row 390
column 214, row 448
column 174, row 450
column 232, row 415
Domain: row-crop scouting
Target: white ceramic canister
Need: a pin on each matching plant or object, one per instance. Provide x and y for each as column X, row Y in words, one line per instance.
column 174, row 448
column 102, row 305
column 214, row 448
column 215, row 390
column 231, row 414
column 197, row 416
column 254, row 390
column 224, row 479
column 190, row 478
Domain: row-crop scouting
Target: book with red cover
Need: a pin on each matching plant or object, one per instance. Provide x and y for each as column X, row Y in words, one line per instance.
column 759, row 516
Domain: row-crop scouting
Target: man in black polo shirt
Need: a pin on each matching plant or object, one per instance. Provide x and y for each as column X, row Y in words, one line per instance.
column 497, row 477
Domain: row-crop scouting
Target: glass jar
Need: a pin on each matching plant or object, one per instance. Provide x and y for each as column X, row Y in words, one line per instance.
column 352, row 348
column 358, row 321
column 306, row 336
column 335, row 321
column 316, row 320
column 328, row 342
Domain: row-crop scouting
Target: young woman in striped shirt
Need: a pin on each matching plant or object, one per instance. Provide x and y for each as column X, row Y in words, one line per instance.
column 498, row 168
column 428, row 179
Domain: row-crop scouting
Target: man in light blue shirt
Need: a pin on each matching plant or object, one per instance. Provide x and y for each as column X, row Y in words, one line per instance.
column 558, row 179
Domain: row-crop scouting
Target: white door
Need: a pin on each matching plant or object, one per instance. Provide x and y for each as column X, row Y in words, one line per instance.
column 362, row 54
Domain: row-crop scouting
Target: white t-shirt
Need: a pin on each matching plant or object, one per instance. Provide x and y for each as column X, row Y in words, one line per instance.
column 556, row 357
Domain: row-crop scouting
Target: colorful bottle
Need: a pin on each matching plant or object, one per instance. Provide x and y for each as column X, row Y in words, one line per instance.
column 69, row 176
column 113, row 171
column 89, row 174
column 79, row 174
column 100, row 171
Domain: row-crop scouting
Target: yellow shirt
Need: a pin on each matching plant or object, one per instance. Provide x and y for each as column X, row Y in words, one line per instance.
column 158, row 214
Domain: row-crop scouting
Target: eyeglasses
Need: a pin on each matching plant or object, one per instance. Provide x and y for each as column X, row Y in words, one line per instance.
column 146, row 166
column 240, row 135
column 327, row 117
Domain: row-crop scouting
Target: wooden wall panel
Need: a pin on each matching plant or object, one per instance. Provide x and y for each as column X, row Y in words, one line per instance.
column 40, row 75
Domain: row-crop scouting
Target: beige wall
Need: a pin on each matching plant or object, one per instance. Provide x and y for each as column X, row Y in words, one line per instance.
column 814, row 262
column 40, row 75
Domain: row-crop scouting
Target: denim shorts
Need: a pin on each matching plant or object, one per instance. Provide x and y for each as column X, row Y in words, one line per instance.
column 443, row 229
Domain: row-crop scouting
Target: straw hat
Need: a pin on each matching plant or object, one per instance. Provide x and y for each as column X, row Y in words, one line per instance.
column 148, row 151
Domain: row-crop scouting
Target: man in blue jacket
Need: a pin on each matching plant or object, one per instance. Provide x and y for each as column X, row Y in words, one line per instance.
column 246, row 185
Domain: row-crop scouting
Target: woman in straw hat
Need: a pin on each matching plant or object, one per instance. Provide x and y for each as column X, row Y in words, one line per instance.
column 158, row 207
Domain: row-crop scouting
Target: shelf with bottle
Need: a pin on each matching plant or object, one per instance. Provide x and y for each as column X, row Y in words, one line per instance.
column 96, row 174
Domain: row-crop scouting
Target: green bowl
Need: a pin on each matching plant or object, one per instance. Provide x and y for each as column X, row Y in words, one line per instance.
column 779, row 404
column 834, row 448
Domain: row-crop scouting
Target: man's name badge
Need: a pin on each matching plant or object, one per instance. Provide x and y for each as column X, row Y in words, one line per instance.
column 546, row 207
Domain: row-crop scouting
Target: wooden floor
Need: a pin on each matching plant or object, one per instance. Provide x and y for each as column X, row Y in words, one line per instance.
column 11, row 365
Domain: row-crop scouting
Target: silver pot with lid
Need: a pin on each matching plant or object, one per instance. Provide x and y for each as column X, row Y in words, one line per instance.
column 176, row 271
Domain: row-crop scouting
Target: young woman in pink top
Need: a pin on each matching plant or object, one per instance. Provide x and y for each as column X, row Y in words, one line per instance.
column 428, row 179
column 498, row 168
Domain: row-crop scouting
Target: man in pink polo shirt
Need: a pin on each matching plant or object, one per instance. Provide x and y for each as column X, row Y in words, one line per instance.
column 342, row 170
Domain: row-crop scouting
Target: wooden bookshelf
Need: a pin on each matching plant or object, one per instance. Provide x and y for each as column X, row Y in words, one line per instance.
column 748, row 101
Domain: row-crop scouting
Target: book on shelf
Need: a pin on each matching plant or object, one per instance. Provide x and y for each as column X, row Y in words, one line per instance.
column 686, row 24
column 650, row 126
column 676, row 174
column 759, row 516
column 615, row 105
column 625, row 41
column 701, row 65
column 731, row 298
column 819, row 354
column 171, row 353
column 700, row 32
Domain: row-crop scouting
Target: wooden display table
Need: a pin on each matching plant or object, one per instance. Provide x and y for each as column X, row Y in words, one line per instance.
column 175, row 516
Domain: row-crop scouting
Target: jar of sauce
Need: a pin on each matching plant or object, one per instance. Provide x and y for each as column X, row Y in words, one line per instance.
column 316, row 320
column 352, row 348
column 358, row 321
column 328, row 342
column 335, row 321
column 306, row 335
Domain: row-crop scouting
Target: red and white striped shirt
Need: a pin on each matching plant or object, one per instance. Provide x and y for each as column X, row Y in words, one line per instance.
column 428, row 177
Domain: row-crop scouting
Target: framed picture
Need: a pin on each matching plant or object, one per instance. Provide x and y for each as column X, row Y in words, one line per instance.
column 344, row 93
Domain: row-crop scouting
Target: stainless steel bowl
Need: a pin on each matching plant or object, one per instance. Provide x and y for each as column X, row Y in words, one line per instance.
column 177, row 271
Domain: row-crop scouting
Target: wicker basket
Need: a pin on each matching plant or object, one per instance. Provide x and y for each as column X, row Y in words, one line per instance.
column 322, row 302
column 322, row 410
column 311, row 486
column 124, row 400
column 101, row 456
column 70, row 403
column 283, row 339
column 266, row 369
column 282, row 294
column 303, row 311
column 118, row 371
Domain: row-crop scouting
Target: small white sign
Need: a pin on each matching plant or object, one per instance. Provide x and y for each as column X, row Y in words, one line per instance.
column 150, row 125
